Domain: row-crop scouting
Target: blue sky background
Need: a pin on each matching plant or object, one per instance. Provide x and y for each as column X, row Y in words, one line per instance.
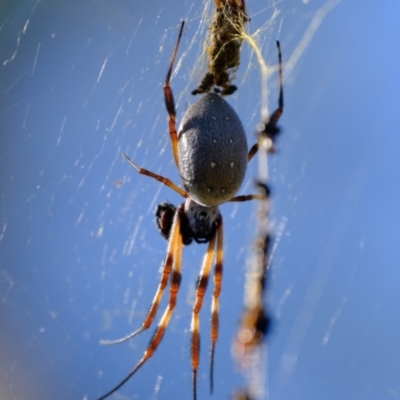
column 80, row 83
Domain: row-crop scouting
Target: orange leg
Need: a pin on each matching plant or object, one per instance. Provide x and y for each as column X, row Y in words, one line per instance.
column 166, row 270
column 175, row 255
column 159, row 178
column 195, row 326
column 215, row 301
column 170, row 103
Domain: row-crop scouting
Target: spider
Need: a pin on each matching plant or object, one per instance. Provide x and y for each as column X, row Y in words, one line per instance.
column 210, row 151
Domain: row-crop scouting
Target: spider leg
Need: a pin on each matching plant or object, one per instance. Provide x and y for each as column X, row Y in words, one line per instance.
column 266, row 191
column 247, row 197
column 170, row 103
column 166, row 271
column 252, row 152
column 159, row 178
column 195, row 325
column 175, row 254
column 215, row 301
column 279, row 111
column 269, row 128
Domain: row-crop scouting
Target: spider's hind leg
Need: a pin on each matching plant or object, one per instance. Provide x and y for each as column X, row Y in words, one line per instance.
column 170, row 102
column 269, row 129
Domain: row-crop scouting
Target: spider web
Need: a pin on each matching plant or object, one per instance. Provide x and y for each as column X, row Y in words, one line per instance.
column 80, row 83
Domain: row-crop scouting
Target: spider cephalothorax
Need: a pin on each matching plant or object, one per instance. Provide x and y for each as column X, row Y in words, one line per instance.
column 211, row 154
column 198, row 222
column 202, row 220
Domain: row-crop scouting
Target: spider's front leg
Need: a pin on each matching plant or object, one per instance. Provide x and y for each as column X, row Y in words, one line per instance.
column 215, row 301
column 173, row 263
column 200, row 291
column 175, row 242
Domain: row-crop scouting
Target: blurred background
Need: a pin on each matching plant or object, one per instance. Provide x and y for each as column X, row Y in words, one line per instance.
column 80, row 83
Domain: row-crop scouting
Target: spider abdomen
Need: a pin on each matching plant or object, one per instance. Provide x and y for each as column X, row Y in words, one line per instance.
column 212, row 151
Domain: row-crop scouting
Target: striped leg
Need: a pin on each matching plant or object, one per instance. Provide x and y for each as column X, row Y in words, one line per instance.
column 195, row 326
column 166, row 270
column 159, row 178
column 175, row 257
column 215, row 301
column 170, row 103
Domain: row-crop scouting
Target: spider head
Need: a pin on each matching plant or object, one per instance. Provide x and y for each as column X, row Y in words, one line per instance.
column 201, row 220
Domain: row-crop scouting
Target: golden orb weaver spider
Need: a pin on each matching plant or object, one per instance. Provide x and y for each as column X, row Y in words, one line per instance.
column 210, row 151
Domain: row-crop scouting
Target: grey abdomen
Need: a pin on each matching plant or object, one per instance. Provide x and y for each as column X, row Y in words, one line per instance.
column 212, row 151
